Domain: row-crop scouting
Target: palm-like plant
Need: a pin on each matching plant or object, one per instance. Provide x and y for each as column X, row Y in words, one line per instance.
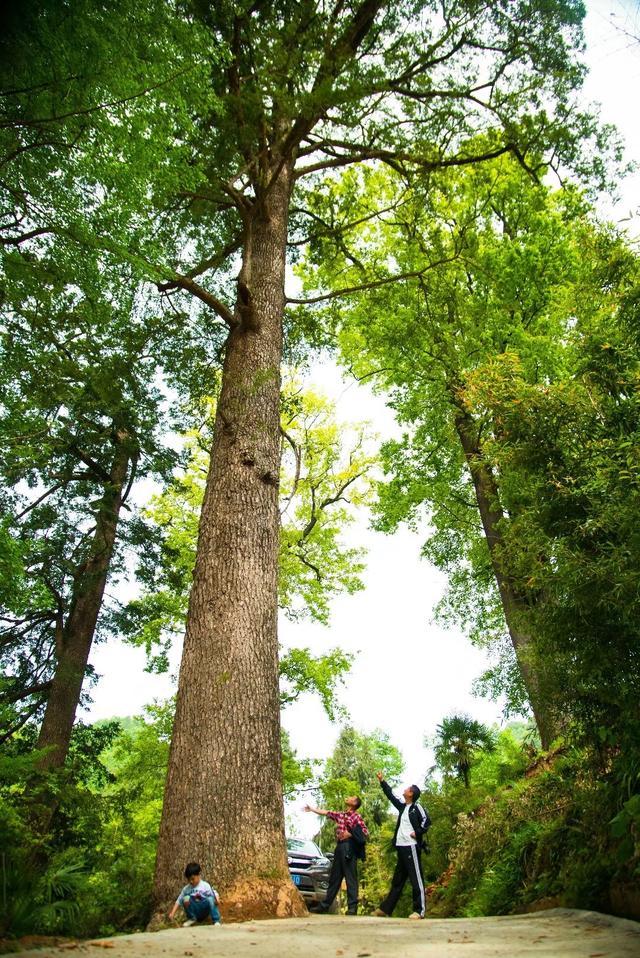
column 458, row 740
column 41, row 903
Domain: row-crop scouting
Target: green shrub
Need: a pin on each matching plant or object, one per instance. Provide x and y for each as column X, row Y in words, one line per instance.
column 552, row 835
column 46, row 902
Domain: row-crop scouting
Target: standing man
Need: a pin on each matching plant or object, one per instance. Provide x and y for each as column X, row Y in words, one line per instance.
column 351, row 835
column 413, row 822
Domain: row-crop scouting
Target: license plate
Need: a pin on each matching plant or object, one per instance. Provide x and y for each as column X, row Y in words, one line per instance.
column 296, row 879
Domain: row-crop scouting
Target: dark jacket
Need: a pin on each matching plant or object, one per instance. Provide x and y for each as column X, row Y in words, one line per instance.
column 418, row 816
column 357, row 843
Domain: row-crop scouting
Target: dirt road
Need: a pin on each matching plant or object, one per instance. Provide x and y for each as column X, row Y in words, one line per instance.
column 560, row 933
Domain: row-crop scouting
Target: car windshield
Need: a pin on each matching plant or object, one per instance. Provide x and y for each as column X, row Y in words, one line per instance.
column 302, row 847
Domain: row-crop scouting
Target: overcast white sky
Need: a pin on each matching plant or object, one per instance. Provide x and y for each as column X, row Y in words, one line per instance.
column 408, row 672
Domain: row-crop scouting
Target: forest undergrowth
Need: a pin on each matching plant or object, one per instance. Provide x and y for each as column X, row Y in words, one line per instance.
column 532, row 830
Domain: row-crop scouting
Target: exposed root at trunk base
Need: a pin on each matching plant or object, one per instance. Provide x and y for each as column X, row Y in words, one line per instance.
column 253, row 898
column 262, row 898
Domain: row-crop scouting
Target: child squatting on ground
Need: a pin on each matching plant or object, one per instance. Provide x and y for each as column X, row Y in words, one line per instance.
column 198, row 898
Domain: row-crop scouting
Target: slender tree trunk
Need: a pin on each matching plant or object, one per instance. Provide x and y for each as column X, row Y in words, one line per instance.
column 223, row 804
column 76, row 635
column 514, row 607
column 466, row 776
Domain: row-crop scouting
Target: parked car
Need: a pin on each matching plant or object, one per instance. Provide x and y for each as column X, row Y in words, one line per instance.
column 309, row 868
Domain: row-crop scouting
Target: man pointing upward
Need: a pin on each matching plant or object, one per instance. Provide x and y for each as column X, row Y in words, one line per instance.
column 413, row 822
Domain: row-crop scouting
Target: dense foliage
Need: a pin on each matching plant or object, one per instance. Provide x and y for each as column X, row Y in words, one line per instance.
column 560, row 832
column 104, row 839
column 511, row 364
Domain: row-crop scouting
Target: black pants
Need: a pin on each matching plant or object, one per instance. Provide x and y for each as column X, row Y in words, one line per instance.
column 345, row 865
column 407, row 866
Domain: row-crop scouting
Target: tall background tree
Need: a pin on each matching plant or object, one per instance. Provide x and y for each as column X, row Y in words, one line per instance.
column 82, row 419
column 84, row 354
column 568, row 453
column 499, row 263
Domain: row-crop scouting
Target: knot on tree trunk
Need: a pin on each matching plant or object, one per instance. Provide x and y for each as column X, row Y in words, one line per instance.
column 228, row 426
column 245, row 306
column 255, row 461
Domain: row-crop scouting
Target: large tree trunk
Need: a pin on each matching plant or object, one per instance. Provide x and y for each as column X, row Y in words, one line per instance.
column 223, row 804
column 514, row 607
column 75, row 635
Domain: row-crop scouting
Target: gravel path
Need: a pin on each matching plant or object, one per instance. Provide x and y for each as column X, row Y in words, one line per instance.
column 559, row 933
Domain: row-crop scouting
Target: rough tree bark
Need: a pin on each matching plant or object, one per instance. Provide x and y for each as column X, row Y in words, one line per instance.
column 75, row 635
column 223, row 801
column 513, row 605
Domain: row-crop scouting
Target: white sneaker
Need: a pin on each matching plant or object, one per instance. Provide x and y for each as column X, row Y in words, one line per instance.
column 188, row 923
column 414, row 914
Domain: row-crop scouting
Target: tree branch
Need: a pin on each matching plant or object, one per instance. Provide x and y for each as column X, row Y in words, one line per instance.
column 394, row 159
column 298, row 458
column 339, row 496
column 44, row 496
column 330, row 67
column 16, row 240
column 331, row 500
column 37, row 689
column 374, row 284
column 95, row 467
column 211, row 263
column 309, row 565
column 43, row 121
column 190, row 286
column 330, row 230
column 24, row 718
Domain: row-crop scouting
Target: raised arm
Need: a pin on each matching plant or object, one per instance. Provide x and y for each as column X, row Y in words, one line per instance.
column 316, row 811
column 387, row 791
